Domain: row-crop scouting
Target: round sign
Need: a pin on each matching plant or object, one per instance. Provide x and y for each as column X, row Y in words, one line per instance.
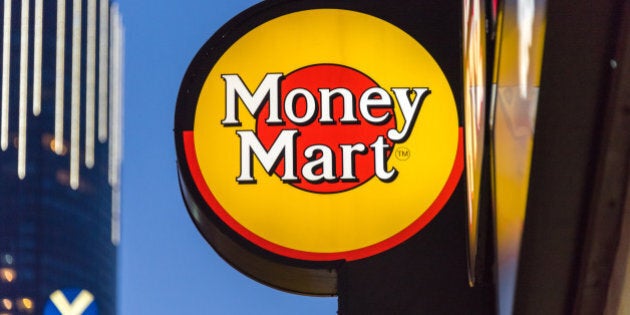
column 317, row 135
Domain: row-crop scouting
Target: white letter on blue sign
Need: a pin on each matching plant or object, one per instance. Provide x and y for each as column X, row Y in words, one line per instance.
column 80, row 303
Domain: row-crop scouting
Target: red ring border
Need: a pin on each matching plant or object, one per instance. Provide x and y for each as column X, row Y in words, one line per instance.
column 356, row 254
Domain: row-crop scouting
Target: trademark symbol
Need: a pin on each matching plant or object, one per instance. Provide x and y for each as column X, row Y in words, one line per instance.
column 402, row 153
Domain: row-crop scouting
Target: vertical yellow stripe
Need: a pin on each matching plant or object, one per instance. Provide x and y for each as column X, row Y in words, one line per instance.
column 75, row 101
column 6, row 56
column 103, row 63
column 23, row 90
column 90, row 84
column 115, row 128
column 59, row 75
column 37, row 58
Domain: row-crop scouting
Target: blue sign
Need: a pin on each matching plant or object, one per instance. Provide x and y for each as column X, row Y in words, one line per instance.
column 71, row 301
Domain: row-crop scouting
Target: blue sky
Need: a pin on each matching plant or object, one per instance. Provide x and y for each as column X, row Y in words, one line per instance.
column 165, row 266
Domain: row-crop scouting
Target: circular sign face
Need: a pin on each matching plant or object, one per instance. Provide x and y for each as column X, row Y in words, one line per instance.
column 319, row 135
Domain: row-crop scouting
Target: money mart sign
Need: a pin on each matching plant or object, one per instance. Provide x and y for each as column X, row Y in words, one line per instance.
column 309, row 137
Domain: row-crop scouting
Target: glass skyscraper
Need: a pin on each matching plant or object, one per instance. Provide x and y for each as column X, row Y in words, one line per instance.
column 60, row 149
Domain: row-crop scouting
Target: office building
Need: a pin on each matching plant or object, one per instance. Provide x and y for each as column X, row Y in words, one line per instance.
column 60, row 152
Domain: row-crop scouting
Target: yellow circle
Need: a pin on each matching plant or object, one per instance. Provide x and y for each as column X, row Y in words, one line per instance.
column 328, row 223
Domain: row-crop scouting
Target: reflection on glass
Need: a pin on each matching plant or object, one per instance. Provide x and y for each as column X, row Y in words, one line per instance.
column 474, row 116
column 7, row 275
column 49, row 142
column 7, row 304
column 63, row 177
column 518, row 60
column 25, row 305
column 7, row 259
column 63, row 148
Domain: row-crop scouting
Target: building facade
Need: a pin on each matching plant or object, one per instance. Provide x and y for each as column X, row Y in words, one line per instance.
column 60, row 152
